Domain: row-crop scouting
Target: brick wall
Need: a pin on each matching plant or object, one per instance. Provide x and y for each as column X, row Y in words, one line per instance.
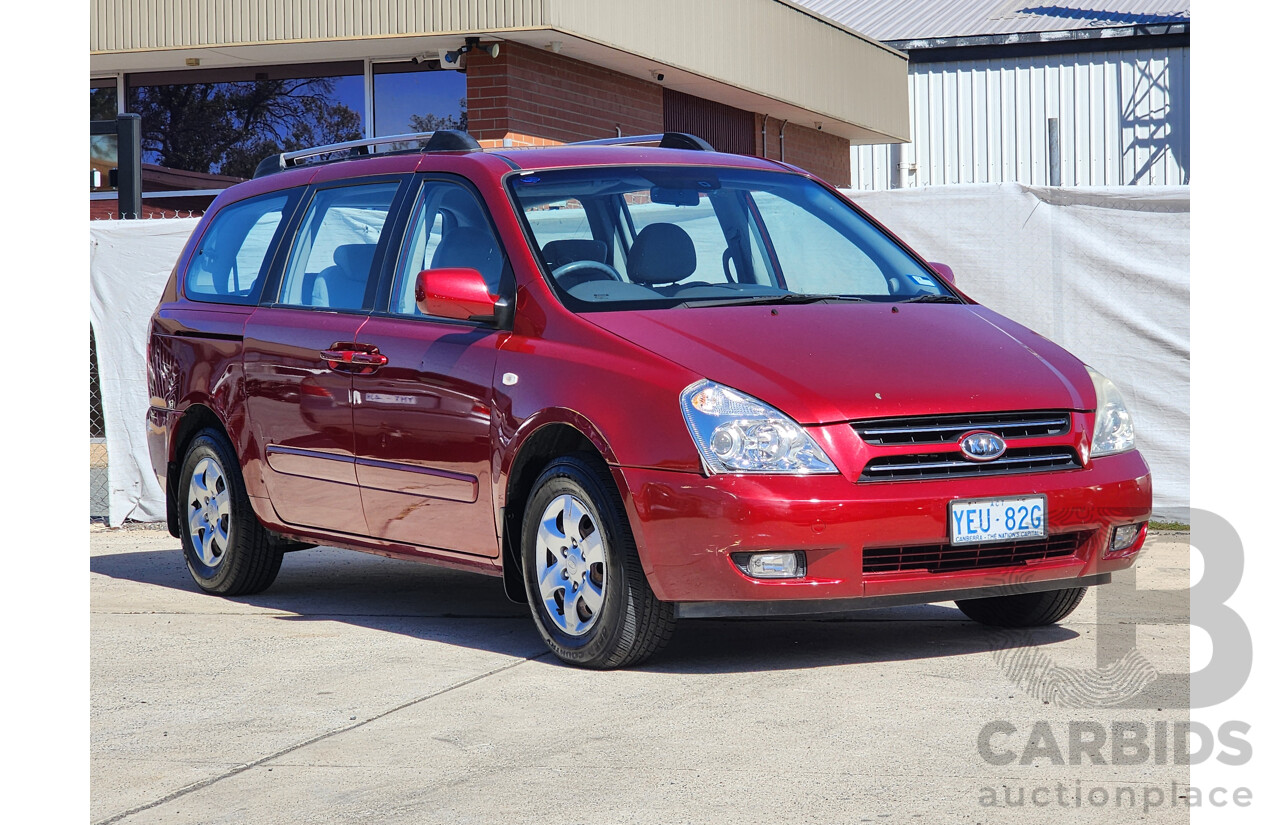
column 822, row 153
column 535, row 97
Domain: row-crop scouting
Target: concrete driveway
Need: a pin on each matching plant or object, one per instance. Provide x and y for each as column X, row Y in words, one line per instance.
column 360, row 689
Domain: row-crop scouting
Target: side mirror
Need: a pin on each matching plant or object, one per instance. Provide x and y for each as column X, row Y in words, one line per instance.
column 460, row 294
column 944, row 271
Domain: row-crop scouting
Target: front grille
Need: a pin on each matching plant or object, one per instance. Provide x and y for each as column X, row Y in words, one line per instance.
column 944, row 558
column 942, row 429
column 922, row 466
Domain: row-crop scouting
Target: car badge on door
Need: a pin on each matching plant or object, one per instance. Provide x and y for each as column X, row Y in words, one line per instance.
column 982, row 446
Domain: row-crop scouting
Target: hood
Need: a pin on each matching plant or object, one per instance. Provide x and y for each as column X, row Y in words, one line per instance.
column 822, row 363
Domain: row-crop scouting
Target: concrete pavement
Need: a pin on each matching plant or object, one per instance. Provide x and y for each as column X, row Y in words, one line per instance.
column 360, row 689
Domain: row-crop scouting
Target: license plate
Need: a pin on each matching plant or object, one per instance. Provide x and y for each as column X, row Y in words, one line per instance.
column 996, row 519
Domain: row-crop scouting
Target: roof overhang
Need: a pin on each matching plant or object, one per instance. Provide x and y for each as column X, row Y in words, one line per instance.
column 1069, row 41
column 767, row 56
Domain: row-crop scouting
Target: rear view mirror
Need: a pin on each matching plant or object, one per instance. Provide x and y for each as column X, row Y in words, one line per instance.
column 674, row 197
column 458, row 293
column 944, row 271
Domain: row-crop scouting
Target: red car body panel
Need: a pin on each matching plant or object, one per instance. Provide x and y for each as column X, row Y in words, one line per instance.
column 958, row 359
column 423, row 433
column 300, row 416
column 689, row 525
column 413, row 459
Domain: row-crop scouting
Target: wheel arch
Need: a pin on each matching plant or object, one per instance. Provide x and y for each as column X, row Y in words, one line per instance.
column 195, row 418
column 535, row 446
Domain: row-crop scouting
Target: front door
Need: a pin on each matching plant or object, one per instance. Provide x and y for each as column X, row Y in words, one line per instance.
column 422, row 419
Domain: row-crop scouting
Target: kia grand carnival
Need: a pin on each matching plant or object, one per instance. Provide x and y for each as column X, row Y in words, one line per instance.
column 637, row 382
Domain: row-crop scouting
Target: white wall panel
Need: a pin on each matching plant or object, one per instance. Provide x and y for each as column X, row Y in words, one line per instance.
column 1123, row 119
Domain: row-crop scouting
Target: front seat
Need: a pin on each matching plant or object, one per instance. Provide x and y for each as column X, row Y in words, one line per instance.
column 662, row 254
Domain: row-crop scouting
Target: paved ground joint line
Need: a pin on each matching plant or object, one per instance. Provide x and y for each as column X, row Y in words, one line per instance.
column 239, row 769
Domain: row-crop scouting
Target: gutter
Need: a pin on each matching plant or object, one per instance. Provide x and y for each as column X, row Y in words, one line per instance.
column 916, row 45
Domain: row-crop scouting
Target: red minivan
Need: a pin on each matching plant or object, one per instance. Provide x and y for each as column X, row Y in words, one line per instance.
column 635, row 378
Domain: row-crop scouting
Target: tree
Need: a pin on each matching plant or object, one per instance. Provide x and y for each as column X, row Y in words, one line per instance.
column 102, row 103
column 227, row 128
column 433, row 122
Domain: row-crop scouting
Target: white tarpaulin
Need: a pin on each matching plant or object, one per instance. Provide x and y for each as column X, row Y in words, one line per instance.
column 129, row 264
column 1103, row 272
column 1106, row 273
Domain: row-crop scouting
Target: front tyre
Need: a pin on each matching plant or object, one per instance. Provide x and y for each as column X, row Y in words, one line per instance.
column 589, row 596
column 228, row 552
column 1023, row 609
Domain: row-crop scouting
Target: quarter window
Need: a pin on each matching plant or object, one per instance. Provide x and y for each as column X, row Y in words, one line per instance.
column 234, row 252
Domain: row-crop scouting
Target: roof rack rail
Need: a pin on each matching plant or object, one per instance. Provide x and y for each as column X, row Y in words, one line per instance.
column 667, row 140
column 441, row 140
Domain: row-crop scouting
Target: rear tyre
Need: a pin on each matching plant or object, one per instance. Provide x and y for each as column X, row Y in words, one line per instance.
column 228, row 552
column 588, row 594
column 1024, row 609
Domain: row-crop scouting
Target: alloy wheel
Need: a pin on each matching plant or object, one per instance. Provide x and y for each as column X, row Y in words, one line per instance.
column 209, row 512
column 571, row 565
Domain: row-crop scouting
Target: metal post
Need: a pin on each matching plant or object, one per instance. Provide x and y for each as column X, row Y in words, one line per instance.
column 129, row 149
column 1055, row 154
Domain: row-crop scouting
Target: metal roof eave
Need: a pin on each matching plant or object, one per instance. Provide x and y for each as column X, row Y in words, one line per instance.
column 914, row 46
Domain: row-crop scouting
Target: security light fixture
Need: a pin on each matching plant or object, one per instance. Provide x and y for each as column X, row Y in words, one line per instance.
column 456, row 59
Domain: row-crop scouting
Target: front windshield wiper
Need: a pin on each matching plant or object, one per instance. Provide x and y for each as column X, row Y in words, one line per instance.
column 934, row 299
column 788, row 298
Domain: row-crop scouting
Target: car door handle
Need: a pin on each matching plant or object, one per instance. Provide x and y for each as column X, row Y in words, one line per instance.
column 369, row 359
column 347, row 358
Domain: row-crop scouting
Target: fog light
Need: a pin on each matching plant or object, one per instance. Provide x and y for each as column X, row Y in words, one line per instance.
column 771, row 565
column 1124, row 537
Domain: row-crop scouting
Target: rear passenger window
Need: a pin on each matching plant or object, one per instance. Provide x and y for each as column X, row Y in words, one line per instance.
column 332, row 258
column 229, row 264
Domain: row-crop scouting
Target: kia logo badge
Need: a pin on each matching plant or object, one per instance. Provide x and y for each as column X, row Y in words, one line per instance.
column 982, row 446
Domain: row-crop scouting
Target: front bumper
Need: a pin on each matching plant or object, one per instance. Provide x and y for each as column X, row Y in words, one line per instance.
column 686, row 526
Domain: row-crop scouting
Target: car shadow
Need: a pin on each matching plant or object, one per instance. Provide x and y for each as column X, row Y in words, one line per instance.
column 459, row 608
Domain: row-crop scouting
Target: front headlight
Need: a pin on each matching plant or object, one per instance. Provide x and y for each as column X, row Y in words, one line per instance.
column 736, row 433
column 1113, row 427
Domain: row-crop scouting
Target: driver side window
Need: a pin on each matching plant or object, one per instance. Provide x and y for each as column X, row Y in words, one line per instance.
column 449, row 229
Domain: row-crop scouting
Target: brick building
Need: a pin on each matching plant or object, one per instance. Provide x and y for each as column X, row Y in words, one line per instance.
column 760, row 77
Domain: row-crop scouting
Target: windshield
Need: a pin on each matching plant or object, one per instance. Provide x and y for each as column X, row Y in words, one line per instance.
column 661, row 236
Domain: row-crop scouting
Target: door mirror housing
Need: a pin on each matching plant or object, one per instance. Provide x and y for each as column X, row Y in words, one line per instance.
column 944, row 271
column 461, row 294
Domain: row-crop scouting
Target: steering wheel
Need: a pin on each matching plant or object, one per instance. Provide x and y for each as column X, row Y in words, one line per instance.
column 587, row 270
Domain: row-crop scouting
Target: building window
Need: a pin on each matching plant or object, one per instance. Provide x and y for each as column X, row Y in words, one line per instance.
column 103, row 104
column 216, row 125
column 417, row 97
column 103, row 149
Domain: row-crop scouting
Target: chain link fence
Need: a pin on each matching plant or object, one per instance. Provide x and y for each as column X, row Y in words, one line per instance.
column 98, row 488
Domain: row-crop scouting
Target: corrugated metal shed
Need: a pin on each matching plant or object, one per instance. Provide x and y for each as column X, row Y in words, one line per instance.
column 894, row 20
column 1124, row 119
